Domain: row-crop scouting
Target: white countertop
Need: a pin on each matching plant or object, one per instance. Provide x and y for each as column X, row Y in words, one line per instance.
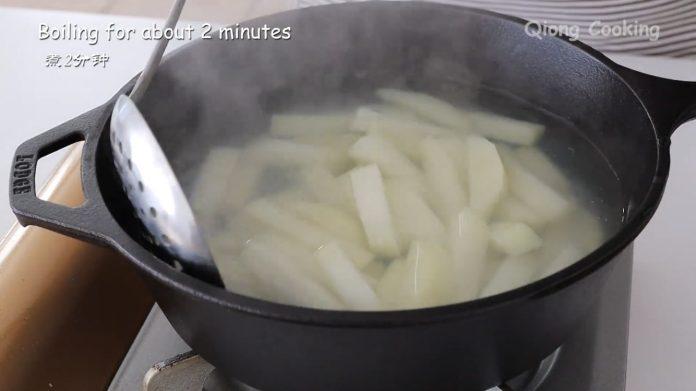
column 662, row 343
column 662, row 336
column 34, row 98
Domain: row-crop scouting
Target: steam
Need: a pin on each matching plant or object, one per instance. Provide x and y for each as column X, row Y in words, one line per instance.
column 222, row 92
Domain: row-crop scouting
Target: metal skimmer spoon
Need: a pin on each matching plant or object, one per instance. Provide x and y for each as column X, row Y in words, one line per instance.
column 150, row 182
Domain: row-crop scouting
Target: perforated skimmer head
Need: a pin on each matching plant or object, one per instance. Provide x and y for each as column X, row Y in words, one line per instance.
column 155, row 192
column 149, row 180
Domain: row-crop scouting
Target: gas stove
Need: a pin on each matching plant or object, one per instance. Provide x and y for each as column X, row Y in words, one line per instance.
column 189, row 371
column 593, row 358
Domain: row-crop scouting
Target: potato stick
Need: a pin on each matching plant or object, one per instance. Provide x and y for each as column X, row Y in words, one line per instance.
column 512, row 209
column 268, row 213
column 545, row 201
column 325, row 187
column 457, row 150
column 238, row 278
column 227, row 240
column 403, row 130
column 338, row 222
column 279, row 152
column 398, row 113
column 589, row 231
column 225, row 246
column 211, row 187
column 540, row 165
column 338, row 142
column 288, row 195
column 373, row 209
column 408, row 144
column 514, row 238
column 441, row 175
column 468, row 241
column 295, row 252
column 512, row 273
column 345, row 279
column 243, row 185
column 433, row 109
column 413, row 218
column 364, row 119
column 289, row 283
column 580, row 228
column 506, row 129
column 375, row 149
column 391, row 286
column 302, row 231
column 487, row 124
column 417, row 184
column 566, row 257
column 374, row 271
column 486, row 175
column 367, row 119
column 429, row 273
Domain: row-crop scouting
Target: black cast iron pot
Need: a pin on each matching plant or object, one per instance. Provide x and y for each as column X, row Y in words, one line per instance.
column 211, row 87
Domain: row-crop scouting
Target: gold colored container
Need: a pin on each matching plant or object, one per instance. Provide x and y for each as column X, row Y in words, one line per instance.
column 68, row 310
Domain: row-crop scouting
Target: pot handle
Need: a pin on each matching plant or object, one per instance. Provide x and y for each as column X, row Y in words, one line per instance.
column 84, row 221
column 669, row 102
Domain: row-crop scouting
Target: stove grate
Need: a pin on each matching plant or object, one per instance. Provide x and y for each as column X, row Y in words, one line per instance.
column 189, row 371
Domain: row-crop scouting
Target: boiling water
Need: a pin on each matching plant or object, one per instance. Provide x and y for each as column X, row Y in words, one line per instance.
column 289, row 219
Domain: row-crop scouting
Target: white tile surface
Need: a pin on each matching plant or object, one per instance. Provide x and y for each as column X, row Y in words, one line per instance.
column 214, row 11
column 662, row 345
column 662, row 340
column 34, row 98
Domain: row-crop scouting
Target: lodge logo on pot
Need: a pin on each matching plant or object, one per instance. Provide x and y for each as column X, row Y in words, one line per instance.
column 21, row 174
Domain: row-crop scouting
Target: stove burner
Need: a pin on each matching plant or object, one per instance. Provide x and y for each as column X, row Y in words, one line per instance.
column 190, row 372
column 533, row 379
column 187, row 371
column 215, row 382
